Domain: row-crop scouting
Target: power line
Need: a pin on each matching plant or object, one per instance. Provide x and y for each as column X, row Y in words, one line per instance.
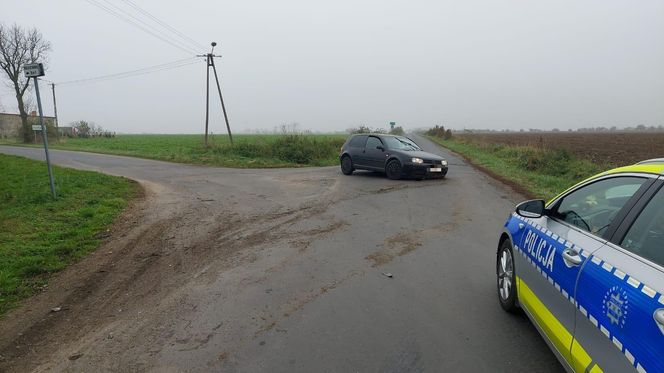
column 132, row 73
column 128, row 20
column 189, row 50
column 164, row 24
column 186, row 44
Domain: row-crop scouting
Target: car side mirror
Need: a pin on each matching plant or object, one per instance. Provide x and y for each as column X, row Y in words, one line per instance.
column 380, row 147
column 531, row 209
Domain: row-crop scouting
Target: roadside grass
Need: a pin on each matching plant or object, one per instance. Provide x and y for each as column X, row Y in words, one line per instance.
column 541, row 173
column 249, row 151
column 39, row 235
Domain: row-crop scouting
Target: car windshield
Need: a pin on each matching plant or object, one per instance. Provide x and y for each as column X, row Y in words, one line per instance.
column 400, row 143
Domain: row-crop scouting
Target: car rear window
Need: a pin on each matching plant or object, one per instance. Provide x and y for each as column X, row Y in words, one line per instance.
column 646, row 236
column 358, row 141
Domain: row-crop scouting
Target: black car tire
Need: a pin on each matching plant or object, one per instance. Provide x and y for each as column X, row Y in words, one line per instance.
column 347, row 165
column 393, row 169
column 506, row 272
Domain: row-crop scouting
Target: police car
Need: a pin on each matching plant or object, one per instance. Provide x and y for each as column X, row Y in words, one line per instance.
column 588, row 269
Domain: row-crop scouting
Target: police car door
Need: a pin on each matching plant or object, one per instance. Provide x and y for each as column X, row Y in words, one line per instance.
column 620, row 315
column 554, row 248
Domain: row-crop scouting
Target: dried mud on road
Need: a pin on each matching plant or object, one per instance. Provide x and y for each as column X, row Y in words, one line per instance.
column 167, row 240
column 272, row 270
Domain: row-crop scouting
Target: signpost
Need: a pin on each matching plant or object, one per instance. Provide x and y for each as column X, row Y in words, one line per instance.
column 35, row 70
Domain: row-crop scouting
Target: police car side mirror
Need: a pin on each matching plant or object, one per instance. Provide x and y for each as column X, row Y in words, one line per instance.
column 531, row 209
column 381, row 148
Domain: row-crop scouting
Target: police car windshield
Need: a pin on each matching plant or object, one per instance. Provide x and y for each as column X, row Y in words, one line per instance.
column 400, row 143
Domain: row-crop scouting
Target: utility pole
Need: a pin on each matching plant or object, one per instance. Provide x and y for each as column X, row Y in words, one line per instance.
column 210, row 64
column 207, row 99
column 221, row 98
column 55, row 110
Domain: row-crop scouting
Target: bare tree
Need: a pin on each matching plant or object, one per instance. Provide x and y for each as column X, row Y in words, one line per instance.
column 18, row 47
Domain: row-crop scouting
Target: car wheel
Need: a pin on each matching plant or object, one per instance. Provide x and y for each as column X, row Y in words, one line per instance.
column 506, row 277
column 393, row 170
column 347, row 165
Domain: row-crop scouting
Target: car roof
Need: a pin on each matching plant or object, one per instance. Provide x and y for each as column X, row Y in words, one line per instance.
column 653, row 161
column 378, row 134
column 648, row 167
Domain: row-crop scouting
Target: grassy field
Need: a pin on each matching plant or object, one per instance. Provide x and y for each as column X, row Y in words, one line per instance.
column 39, row 235
column 537, row 172
column 249, row 151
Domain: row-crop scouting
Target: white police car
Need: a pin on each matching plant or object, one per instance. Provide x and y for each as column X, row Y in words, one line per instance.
column 588, row 270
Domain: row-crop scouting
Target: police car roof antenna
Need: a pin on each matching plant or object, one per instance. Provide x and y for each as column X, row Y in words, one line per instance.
column 210, row 63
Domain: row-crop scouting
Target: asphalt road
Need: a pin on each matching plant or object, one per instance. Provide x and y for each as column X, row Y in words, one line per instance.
column 283, row 271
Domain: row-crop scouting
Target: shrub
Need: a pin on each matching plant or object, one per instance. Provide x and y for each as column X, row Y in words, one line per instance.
column 303, row 149
column 365, row 129
column 437, row 131
column 397, row 131
column 291, row 148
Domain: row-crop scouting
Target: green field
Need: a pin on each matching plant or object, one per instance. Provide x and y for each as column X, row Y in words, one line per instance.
column 39, row 235
column 539, row 173
column 249, row 151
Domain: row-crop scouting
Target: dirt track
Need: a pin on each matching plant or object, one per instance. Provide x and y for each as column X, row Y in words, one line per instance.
column 281, row 270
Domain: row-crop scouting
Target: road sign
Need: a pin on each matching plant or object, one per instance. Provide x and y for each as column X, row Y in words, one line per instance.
column 36, row 127
column 33, row 70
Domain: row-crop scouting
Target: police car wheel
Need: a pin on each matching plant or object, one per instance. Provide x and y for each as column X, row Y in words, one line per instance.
column 347, row 165
column 506, row 278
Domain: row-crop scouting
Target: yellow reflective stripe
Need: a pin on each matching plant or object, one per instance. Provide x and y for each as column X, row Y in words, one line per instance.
column 559, row 336
column 554, row 330
column 596, row 369
column 580, row 359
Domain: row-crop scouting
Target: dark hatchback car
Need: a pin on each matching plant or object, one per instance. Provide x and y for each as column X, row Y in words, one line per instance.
column 396, row 156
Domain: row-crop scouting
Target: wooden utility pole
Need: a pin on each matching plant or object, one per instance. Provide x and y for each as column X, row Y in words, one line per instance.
column 55, row 110
column 209, row 58
column 207, row 99
column 221, row 98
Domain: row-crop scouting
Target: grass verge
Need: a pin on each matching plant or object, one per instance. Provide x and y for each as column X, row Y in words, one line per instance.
column 249, row 151
column 39, row 235
column 538, row 173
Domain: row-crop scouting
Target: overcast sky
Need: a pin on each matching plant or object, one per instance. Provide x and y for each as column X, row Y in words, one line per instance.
column 336, row 64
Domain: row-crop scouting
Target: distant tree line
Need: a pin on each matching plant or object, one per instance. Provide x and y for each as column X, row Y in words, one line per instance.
column 398, row 130
column 83, row 129
column 439, row 131
column 365, row 129
column 638, row 128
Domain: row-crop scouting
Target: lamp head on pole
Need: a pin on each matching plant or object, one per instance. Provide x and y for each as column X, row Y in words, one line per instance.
column 214, row 44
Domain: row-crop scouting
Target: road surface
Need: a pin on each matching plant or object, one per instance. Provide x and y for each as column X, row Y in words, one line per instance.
column 282, row 270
